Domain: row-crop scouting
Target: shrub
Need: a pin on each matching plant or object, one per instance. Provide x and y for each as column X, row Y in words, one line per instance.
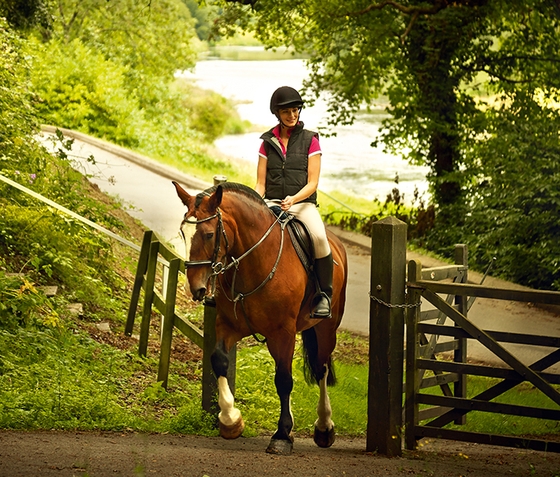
column 79, row 89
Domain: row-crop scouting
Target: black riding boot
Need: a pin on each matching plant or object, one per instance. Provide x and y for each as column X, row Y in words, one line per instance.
column 324, row 273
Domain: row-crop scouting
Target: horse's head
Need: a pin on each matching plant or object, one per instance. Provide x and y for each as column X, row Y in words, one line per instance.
column 206, row 250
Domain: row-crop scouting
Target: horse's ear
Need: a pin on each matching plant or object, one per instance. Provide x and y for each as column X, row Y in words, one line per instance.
column 216, row 198
column 185, row 197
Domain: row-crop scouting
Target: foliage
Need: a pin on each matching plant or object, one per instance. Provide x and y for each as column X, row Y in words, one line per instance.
column 151, row 39
column 17, row 117
column 21, row 304
column 81, row 86
column 200, row 14
column 79, row 89
column 417, row 216
column 515, row 194
column 23, row 14
column 54, row 249
column 60, row 378
column 426, row 59
column 450, row 71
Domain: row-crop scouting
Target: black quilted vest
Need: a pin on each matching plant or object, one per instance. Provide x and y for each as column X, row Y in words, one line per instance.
column 287, row 175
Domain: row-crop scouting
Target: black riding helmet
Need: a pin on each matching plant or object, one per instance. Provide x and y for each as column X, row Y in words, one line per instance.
column 285, row 97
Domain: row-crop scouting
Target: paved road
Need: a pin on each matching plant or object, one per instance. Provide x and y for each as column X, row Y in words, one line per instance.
column 149, row 191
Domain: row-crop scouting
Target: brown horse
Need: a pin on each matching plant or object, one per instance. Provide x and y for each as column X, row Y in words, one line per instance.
column 242, row 253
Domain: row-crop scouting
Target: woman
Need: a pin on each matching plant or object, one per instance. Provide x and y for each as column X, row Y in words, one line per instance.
column 288, row 176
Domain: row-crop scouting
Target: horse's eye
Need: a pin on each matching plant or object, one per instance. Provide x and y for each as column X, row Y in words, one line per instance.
column 209, row 235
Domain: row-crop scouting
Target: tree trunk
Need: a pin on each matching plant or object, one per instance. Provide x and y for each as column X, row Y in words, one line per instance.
column 430, row 54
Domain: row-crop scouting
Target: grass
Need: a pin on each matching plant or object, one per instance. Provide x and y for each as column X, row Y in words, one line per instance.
column 524, row 394
column 74, row 376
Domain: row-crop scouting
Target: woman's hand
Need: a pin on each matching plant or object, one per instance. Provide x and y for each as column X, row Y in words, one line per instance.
column 287, row 203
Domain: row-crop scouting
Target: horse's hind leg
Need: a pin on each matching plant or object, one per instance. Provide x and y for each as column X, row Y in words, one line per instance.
column 318, row 343
column 324, row 434
column 230, row 419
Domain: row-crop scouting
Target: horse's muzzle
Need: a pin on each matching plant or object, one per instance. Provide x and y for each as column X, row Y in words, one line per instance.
column 199, row 294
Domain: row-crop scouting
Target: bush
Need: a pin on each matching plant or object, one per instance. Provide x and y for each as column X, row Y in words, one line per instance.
column 22, row 305
column 79, row 89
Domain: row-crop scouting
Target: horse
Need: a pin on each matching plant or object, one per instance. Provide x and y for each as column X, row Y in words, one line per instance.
column 239, row 252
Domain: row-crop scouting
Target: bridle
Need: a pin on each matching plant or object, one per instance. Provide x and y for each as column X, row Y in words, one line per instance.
column 220, row 268
column 215, row 265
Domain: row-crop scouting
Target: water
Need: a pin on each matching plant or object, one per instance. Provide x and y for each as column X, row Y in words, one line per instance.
column 349, row 163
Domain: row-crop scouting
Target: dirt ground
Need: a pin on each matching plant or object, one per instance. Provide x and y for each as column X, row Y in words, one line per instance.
column 69, row 454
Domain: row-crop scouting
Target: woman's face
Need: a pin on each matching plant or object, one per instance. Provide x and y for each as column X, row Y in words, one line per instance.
column 289, row 116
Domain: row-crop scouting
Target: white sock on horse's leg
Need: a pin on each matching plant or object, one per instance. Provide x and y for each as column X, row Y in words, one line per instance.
column 324, row 410
column 229, row 415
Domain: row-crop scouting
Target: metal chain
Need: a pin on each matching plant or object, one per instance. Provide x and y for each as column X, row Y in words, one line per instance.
column 390, row 305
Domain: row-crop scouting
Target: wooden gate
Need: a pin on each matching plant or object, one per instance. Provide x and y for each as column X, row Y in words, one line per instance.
column 453, row 408
column 447, row 329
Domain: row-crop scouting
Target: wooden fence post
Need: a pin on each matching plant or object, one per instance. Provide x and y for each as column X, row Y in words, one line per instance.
column 209, row 383
column 168, row 322
column 386, row 337
column 148, row 299
column 138, row 279
column 412, row 343
column 460, row 354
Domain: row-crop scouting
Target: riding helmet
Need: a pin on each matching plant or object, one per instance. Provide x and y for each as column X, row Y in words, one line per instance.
column 285, row 97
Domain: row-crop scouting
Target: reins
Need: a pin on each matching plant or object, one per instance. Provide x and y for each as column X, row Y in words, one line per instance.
column 218, row 268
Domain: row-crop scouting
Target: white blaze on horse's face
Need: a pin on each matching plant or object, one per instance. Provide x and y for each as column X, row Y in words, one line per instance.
column 186, row 233
column 203, row 212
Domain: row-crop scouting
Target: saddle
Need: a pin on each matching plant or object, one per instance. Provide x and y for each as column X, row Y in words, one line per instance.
column 300, row 237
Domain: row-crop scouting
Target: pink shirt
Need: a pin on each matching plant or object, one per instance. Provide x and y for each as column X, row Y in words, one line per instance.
column 314, row 148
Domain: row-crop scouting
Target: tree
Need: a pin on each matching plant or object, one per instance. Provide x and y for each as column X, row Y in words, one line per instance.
column 153, row 38
column 22, row 14
column 468, row 85
column 200, row 14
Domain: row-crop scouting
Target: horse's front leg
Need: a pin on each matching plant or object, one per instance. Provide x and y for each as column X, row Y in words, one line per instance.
column 282, row 440
column 230, row 419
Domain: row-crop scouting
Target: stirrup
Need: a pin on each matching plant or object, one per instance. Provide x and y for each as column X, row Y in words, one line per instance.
column 322, row 309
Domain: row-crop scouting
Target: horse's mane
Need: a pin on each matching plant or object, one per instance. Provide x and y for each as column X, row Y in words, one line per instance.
column 232, row 187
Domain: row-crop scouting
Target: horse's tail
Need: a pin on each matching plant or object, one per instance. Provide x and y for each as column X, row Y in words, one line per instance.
column 313, row 370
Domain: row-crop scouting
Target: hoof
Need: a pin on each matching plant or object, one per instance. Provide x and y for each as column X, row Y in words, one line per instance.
column 280, row 447
column 232, row 431
column 324, row 438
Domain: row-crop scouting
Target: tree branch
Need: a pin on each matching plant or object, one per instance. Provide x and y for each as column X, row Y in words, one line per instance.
column 415, row 11
column 438, row 5
column 501, row 77
column 409, row 27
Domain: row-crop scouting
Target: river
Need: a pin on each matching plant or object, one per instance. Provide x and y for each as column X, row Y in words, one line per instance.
column 349, row 163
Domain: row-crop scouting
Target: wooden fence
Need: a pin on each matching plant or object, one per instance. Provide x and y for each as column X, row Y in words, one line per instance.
column 158, row 272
